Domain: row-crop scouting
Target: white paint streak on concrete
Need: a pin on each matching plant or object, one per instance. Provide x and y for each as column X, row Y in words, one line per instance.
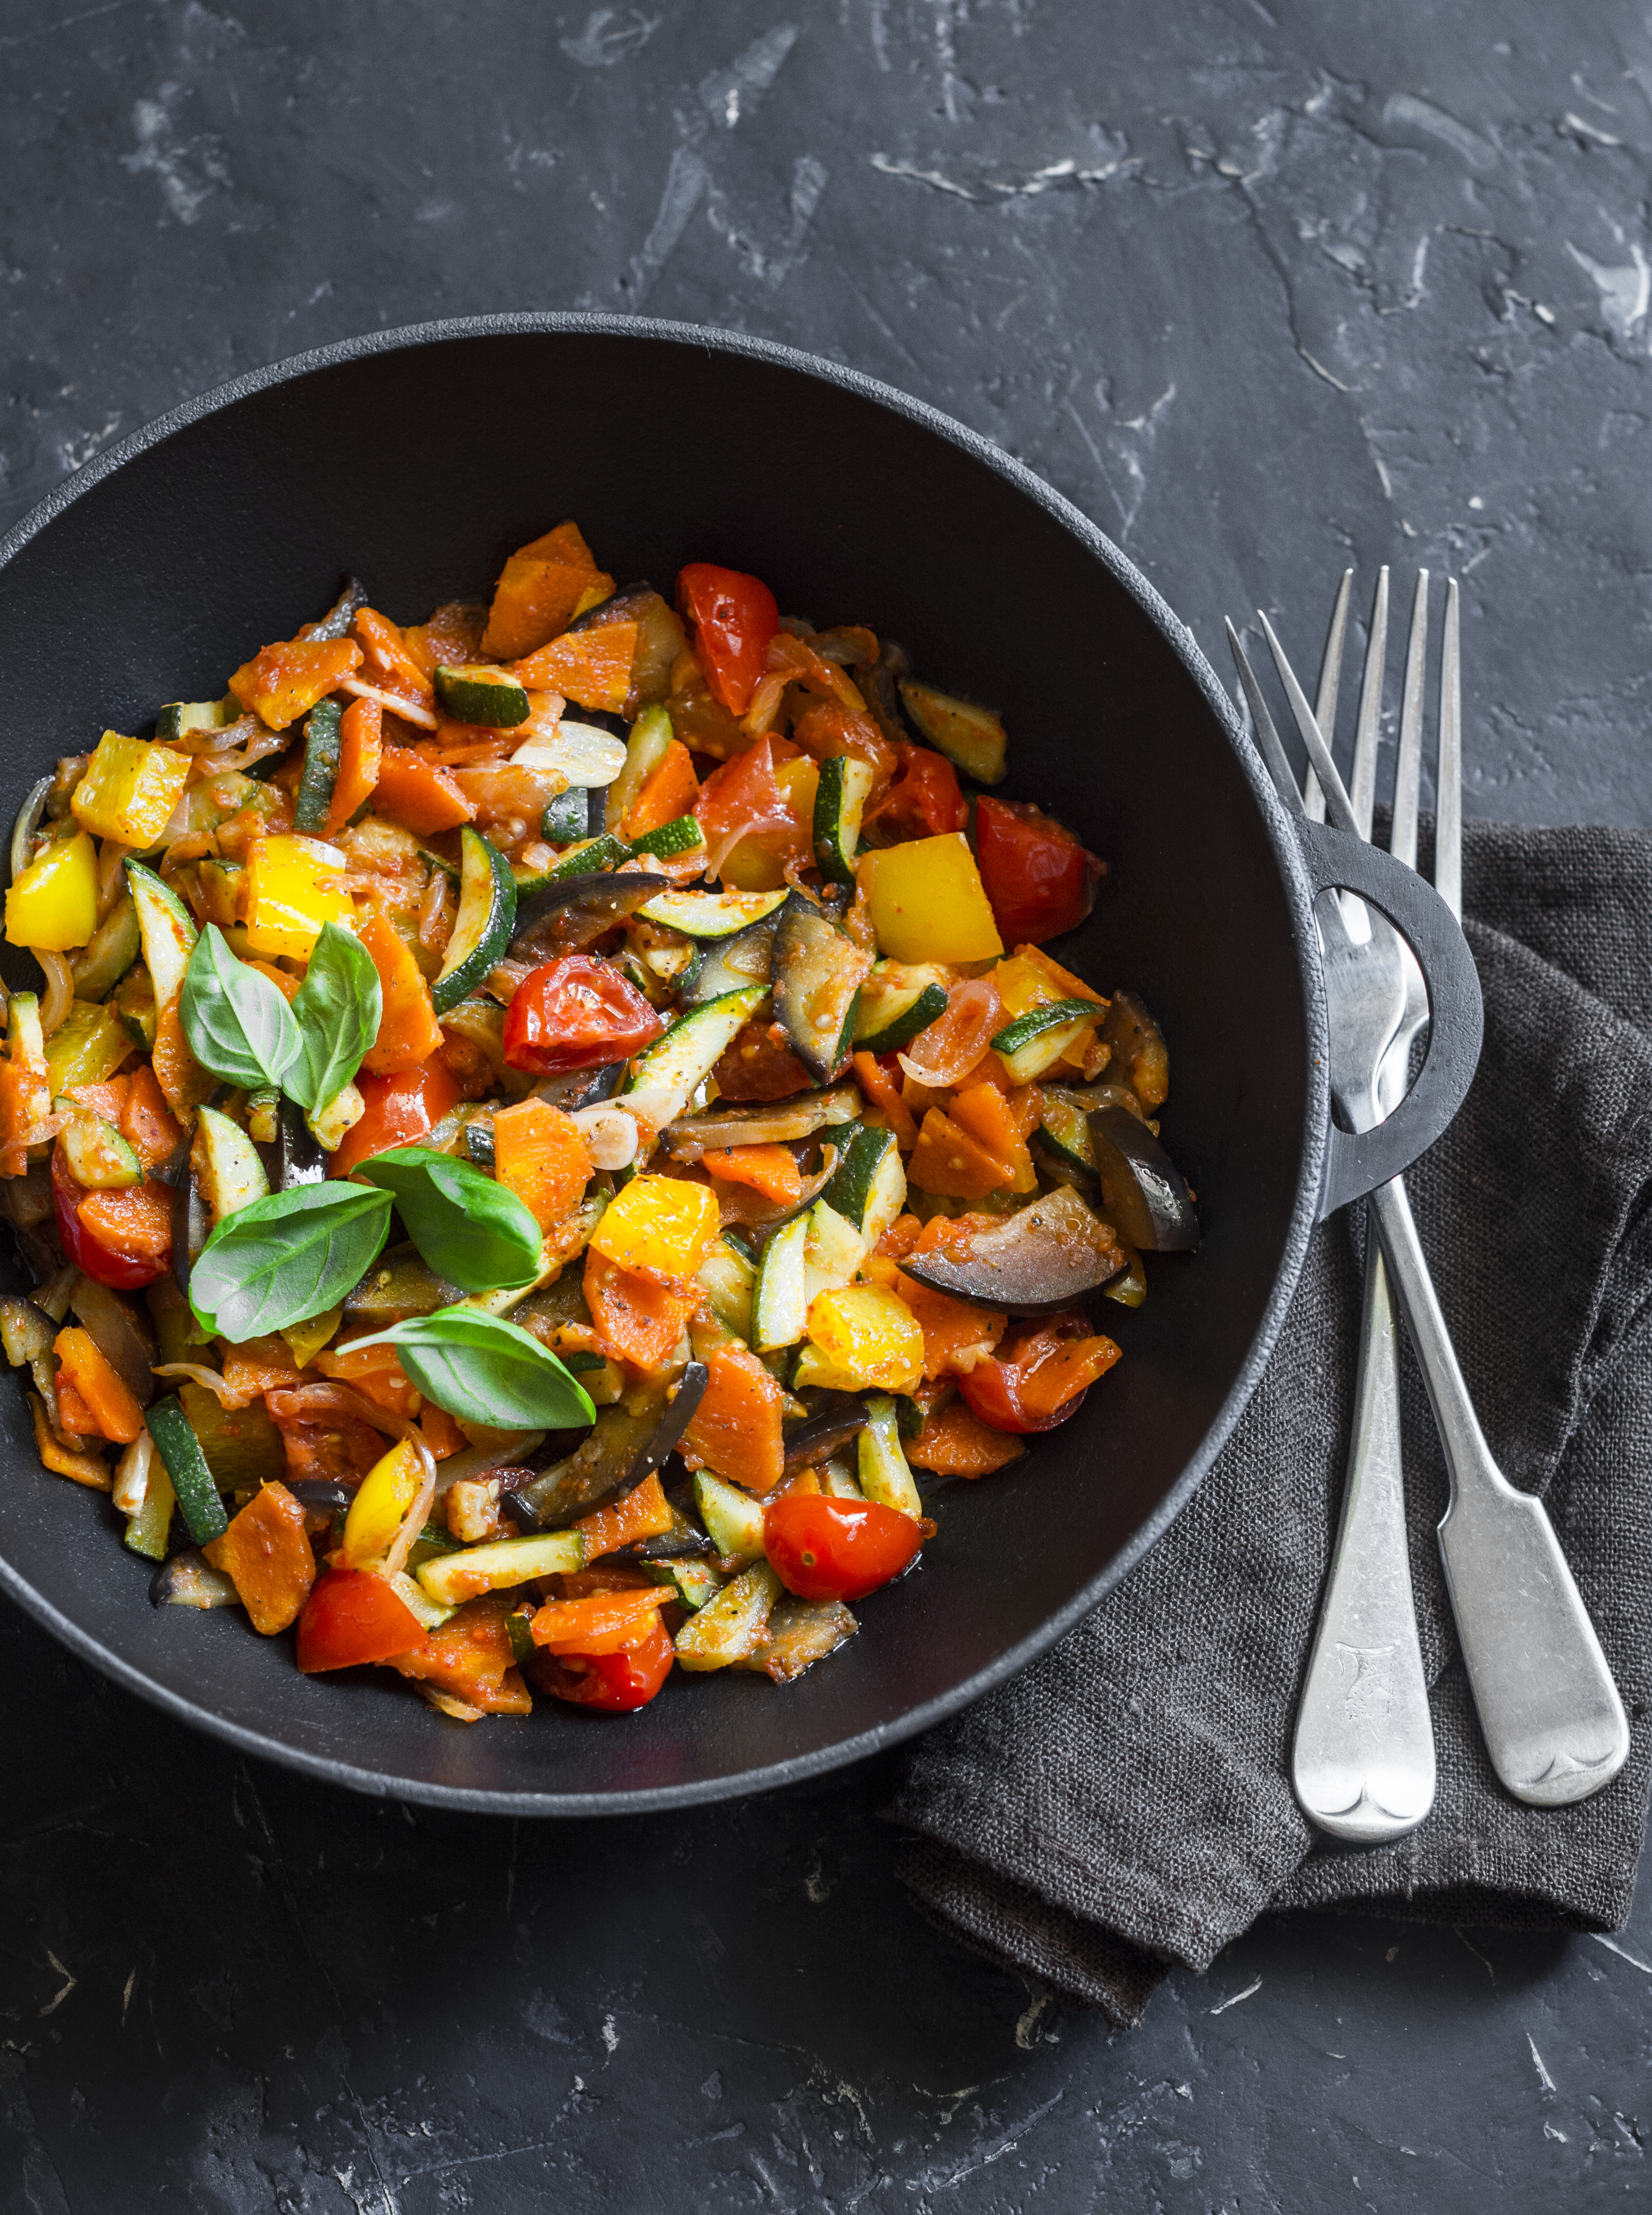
column 1249, row 1992
column 1623, row 1953
column 69, row 1984
column 1544, row 2078
column 1625, row 287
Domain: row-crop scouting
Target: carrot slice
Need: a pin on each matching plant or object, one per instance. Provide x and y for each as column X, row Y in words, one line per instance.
column 469, row 1657
column 952, row 1443
column 772, row 1170
column 669, row 790
column 643, row 1512
column 83, row 1469
column 147, row 1124
column 736, row 1428
column 408, row 1033
column 602, row 1622
column 265, row 1553
column 884, row 1094
column 542, row 1155
column 994, row 1118
column 635, row 1320
column 950, row 1163
column 418, row 794
column 361, row 747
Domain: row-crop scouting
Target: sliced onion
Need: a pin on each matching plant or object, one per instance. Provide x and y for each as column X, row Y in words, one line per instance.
column 946, row 1052
column 260, row 744
column 59, row 990
column 410, row 711
column 131, row 1475
column 197, row 1373
column 27, row 823
column 578, row 753
column 611, row 1134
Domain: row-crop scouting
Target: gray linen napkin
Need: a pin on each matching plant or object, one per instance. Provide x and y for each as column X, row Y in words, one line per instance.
column 1124, row 1804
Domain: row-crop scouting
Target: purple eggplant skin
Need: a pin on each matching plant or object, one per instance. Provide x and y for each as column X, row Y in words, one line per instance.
column 565, row 918
column 833, row 1419
column 595, row 1473
column 1142, row 1189
column 583, row 1088
column 1050, row 1254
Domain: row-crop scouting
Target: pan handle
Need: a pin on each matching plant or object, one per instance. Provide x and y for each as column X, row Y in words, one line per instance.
column 1357, row 1163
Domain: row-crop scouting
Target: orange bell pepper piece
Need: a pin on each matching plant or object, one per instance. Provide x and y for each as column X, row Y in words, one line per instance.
column 267, row 1554
column 442, row 1434
column 469, row 1658
column 419, row 793
column 286, row 679
column 408, row 1033
column 643, row 1512
column 386, row 660
column 997, row 1121
column 951, row 1163
column 136, row 1223
column 634, row 1318
column 772, row 1170
column 1071, row 1367
column 147, row 1124
column 602, row 1622
column 260, row 1366
column 361, row 749
column 83, row 1469
column 668, row 791
column 736, row 1428
column 74, row 1419
column 955, row 1335
column 541, row 1154
column 881, row 1089
column 953, row 1443
column 541, row 589
column 592, row 668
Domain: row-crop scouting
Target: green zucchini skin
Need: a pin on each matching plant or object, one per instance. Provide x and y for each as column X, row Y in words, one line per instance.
column 568, row 817
column 724, row 964
column 680, row 836
column 322, row 746
column 850, row 1187
column 605, row 852
column 840, row 800
column 490, row 697
column 1036, row 1020
column 179, row 717
column 927, row 1007
column 711, row 914
column 485, row 918
column 680, row 1061
column 1063, row 1134
column 186, row 1465
column 817, row 973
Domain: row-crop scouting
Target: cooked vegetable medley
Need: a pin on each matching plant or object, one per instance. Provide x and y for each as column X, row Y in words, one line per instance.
column 540, row 1122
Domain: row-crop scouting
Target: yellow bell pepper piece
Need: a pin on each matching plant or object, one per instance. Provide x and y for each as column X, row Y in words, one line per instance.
column 130, row 789
column 306, row 1339
column 660, row 1227
column 380, row 1506
column 53, row 905
column 928, row 903
column 863, row 1337
column 751, row 866
column 1028, row 980
column 290, row 897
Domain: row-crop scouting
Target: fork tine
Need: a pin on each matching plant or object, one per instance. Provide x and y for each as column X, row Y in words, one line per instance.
column 1362, row 783
column 1267, row 742
column 1407, row 767
column 1448, row 802
column 1338, row 806
column 1324, row 706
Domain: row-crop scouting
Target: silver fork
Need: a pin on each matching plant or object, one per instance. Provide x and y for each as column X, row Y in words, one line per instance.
column 1554, row 1724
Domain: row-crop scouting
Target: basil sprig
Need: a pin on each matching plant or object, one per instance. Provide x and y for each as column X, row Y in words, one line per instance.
column 474, row 1232
column 237, row 1023
column 486, row 1370
column 337, row 1007
column 282, row 1259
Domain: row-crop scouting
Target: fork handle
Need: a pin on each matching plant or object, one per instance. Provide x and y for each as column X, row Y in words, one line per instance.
column 1554, row 1725
column 1362, row 1763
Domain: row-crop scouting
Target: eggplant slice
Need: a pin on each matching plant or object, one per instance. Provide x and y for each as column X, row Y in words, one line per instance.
column 295, row 1155
column 582, row 1087
column 776, row 1123
column 1050, row 1254
column 1142, row 1189
column 833, row 1419
column 567, row 917
column 818, row 971
column 619, row 1453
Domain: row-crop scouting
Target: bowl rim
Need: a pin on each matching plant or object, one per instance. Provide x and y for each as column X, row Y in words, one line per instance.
column 1305, row 1206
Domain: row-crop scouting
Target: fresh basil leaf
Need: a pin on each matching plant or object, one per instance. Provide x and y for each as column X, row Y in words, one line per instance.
column 279, row 1260
column 472, row 1230
column 337, row 1008
column 485, row 1370
column 238, row 1024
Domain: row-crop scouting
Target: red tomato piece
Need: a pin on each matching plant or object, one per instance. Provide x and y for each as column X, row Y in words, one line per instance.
column 1039, row 1379
column 577, row 1013
column 124, row 1272
column 742, row 799
column 734, row 617
column 923, row 801
column 1038, row 878
column 399, row 1110
column 352, row 1615
column 825, row 1548
column 614, row 1683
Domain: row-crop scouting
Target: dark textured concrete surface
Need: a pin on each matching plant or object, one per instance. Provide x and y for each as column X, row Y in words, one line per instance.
column 1264, row 288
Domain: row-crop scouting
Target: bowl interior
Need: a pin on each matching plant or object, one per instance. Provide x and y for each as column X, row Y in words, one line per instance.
column 419, row 469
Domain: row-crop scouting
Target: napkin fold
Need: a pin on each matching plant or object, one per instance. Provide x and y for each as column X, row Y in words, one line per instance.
column 1124, row 1805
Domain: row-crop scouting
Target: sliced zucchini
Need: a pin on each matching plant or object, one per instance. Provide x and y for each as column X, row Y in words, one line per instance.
column 1063, row 1134
column 833, row 1251
column 678, row 1063
column 180, row 717
column 585, row 758
column 186, row 1465
column 323, row 744
column 502, row 1563
column 727, row 1278
column 780, row 1294
column 680, row 836
column 133, row 1001
column 429, row 1613
column 694, row 1582
column 87, row 1047
column 1054, row 1015
column 98, row 1156
column 723, row 965
column 187, row 1582
column 165, row 930
column 898, row 1000
column 568, row 817
column 226, row 1165
column 480, row 693
column 798, row 1634
column 604, row 853
column 109, row 953
column 1129, row 1290
column 885, row 1475
column 837, row 1480
column 148, row 1531
column 732, row 1517
column 973, row 738
column 870, row 1189
column 712, row 914
column 729, row 1626
column 840, row 800
column 817, row 975
column 485, row 917
column 651, row 734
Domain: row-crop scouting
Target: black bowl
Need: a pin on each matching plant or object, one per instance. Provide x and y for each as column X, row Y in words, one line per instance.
column 418, row 459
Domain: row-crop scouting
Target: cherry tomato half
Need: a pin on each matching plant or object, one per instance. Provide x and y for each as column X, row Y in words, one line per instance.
column 124, row 1272
column 824, row 1548
column 1039, row 881
column 734, row 617
column 614, row 1683
column 577, row 1013
column 399, row 1110
column 352, row 1615
column 1039, row 1379
column 923, row 801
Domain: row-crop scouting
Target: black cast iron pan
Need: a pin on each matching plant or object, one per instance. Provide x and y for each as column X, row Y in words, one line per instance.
column 418, row 460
